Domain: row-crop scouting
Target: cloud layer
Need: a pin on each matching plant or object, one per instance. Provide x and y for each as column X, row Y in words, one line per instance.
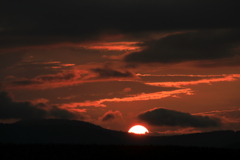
column 223, row 78
column 189, row 46
column 10, row 109
column 71, row 77
column 31, row 25
column 165, row 117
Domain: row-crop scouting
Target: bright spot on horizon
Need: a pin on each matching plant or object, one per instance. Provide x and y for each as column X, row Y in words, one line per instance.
column 138, row 129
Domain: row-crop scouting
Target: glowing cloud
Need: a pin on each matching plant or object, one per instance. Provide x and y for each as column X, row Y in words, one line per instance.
column 130, row 98
column 113, row 46
column 232, row 77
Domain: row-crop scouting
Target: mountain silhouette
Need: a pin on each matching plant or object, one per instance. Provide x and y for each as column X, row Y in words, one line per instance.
column 62, row 131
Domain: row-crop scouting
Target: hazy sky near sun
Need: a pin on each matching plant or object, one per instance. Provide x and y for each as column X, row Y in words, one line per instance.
column 172, row 66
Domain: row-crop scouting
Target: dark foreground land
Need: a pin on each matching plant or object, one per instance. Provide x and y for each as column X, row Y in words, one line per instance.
column 56, row 131
column 69, row 140
column 113, row 152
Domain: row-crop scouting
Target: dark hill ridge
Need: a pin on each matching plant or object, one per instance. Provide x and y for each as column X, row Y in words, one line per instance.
column 79, row 132
column 55, row 122
column 55, row 131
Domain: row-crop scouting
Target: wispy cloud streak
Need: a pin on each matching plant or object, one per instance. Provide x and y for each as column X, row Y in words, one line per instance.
column 226, row 78
column 130, row 98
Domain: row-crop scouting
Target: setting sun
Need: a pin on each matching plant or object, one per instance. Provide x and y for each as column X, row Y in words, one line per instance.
column 138, row 129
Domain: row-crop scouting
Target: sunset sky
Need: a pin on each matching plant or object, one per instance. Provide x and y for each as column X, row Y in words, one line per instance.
column 170, row 65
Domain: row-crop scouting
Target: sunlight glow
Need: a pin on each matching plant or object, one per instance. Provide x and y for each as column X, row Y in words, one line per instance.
column 138, row 129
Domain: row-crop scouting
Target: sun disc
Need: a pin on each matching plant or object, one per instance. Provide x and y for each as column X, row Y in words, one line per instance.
column 138, row 129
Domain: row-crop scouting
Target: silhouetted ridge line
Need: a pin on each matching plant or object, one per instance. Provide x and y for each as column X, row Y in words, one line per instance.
column 65, row 122
column 62, row 131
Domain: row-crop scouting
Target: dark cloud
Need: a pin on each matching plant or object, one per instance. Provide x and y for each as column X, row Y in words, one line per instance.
column 111, row 116
column 30, row 69
column 29, row 23
column 165, row 117
column 10, row 59
column 190, row 46
column 57, row 77
column 68, row 77
column 25, row 82
column 108, row 117
column 26, row 110
column 232, row 61
column 19, row 110
column 63, row 114
column 176, row 78
column 110, row 73
column 42, row 79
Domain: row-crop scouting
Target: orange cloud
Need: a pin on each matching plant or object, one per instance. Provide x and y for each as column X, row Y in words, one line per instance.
column 118, row 45
column 83, row 104
column 127, row 90
column 232, row 77
column 121, row 46
column 130, row 98
column 149, row 96
column 72, row 77
column 177, row 75
column 174, row 131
